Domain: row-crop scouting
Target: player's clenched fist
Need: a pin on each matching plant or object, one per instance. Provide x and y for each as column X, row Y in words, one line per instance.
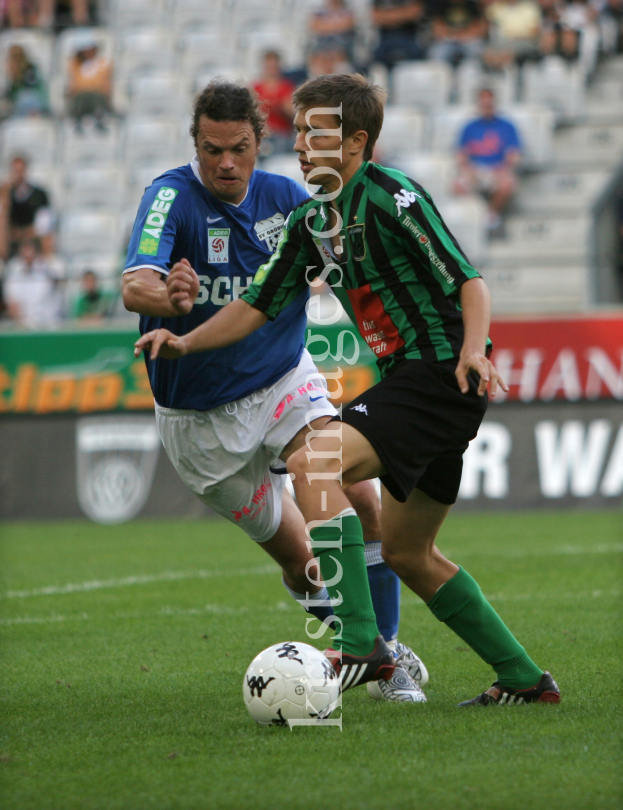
column 161, row 343
column 182, row 287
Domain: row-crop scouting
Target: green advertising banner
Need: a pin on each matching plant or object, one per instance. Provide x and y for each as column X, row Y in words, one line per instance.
column 96, row 371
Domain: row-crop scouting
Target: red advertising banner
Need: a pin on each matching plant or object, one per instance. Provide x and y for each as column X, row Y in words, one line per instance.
column 570, row 358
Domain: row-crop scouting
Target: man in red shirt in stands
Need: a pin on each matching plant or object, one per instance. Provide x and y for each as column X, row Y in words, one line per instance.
column 275, row 93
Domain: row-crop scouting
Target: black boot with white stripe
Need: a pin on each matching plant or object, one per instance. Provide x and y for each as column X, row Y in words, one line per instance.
column 546, row 691
column 353, row 670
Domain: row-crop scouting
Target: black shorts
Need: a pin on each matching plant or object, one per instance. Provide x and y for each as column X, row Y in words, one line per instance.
column 419, row 424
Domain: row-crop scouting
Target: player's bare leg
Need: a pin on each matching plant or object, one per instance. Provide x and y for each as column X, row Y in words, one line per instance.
column 289, row 549
column 409, row 532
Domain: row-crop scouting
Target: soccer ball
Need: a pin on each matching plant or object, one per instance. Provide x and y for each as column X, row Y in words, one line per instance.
column 290, row 681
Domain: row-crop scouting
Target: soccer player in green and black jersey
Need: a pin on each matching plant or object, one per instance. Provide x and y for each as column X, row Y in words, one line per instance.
column 376, row 237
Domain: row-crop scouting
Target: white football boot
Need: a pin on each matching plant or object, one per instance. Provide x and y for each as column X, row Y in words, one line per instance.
column 407, row 659
column 406, row 683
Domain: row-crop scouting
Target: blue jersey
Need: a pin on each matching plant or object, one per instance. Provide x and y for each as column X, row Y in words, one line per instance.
column 487, row 140
column 225, row 243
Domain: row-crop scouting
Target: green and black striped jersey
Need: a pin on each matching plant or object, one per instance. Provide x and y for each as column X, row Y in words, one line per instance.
column 398, row 273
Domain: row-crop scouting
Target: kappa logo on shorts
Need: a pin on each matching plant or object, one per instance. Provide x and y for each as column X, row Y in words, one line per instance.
column 361, row 408
column 258, row 503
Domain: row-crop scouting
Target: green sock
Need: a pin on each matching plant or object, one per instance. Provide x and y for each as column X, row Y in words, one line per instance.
column 356, row 613
column 463, row 607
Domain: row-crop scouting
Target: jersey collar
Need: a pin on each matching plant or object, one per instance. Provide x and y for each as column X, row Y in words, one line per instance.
column 347, row 191
column 194, row 165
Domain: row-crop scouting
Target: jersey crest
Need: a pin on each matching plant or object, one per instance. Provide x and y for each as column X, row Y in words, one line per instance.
column 269, row 230
column 356, row 234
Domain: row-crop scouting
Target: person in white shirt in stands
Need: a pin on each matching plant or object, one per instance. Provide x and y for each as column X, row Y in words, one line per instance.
column 32, row 289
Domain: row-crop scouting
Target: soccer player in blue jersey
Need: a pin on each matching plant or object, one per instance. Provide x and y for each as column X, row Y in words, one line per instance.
column 229, row 419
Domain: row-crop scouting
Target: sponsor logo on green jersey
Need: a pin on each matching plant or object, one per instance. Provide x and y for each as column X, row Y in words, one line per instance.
column 154, row 224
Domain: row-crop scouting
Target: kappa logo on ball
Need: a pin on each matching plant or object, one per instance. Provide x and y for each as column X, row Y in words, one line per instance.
column 218, row 245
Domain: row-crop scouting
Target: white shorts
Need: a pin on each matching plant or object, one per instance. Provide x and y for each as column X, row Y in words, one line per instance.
column 224, row 455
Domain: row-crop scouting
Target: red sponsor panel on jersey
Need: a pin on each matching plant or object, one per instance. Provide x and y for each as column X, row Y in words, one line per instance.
column 375, row 326
column 570, row 358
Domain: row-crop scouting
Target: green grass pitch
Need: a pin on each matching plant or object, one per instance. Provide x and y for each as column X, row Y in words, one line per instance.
column 123, row 651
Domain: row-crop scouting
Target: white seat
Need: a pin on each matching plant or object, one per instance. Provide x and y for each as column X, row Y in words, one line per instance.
column 105, row 266
column 466, row 217
column 143, row 52
column 141, row 178
column 89, row 233
column 432, row 170
column 203, row 78
column 204, row 52
column 248, row 14
column 91, row 147
column 402, row 133
column 34, row 138
column 194, row 15
column 425, row 85
column 287, row 166
column 471, row 78
column 136, row 14
column 160, row 95
column 149, row 142
column 95, row 188
column 556, row 85
column 39, row 48
column 289, row 44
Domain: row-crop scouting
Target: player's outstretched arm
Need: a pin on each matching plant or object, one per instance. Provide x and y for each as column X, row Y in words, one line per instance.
column 233, row 323
column 145, row 292
column 476, row 307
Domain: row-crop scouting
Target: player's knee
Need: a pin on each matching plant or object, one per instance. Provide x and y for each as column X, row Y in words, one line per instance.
column 408, row 561
column 300, row 464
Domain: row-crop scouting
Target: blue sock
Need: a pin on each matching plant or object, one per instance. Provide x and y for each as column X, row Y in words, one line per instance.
column 385, row 590
column 320, row 611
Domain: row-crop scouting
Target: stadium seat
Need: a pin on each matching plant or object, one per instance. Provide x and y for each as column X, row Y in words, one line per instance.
column 136, row 14
column 159, row 95
column 141, row 178
column 247, row 15
column 288, row 43
column 143, row 52
column 203, row 53
column 470, row 78
column 197, row 15
column 35, row 138
column 149, row 142
column 39, row 48
column 105, row 266
column 466, row 217
column 402, row 134
column 95, row 188
column 90, row 148
column 425, row 85
column 287, row 166
column 432, row 170
column 89, row 233
column 556, row 85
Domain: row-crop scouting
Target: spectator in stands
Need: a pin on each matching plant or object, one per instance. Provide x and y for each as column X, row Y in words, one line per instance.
column 489, row 150
column 556, row 39
column 32, row 289
column 92, row 303
column 399, row 24
column 333, row 28
column 275, row 93
column 459, row 31
column 516, row 30
column 611, row 20
column 25, row 212
column 90, row 84
column 26, row 92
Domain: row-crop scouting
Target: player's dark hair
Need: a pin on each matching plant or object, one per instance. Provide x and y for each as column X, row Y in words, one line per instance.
column 362, row 103
column 223, row 100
